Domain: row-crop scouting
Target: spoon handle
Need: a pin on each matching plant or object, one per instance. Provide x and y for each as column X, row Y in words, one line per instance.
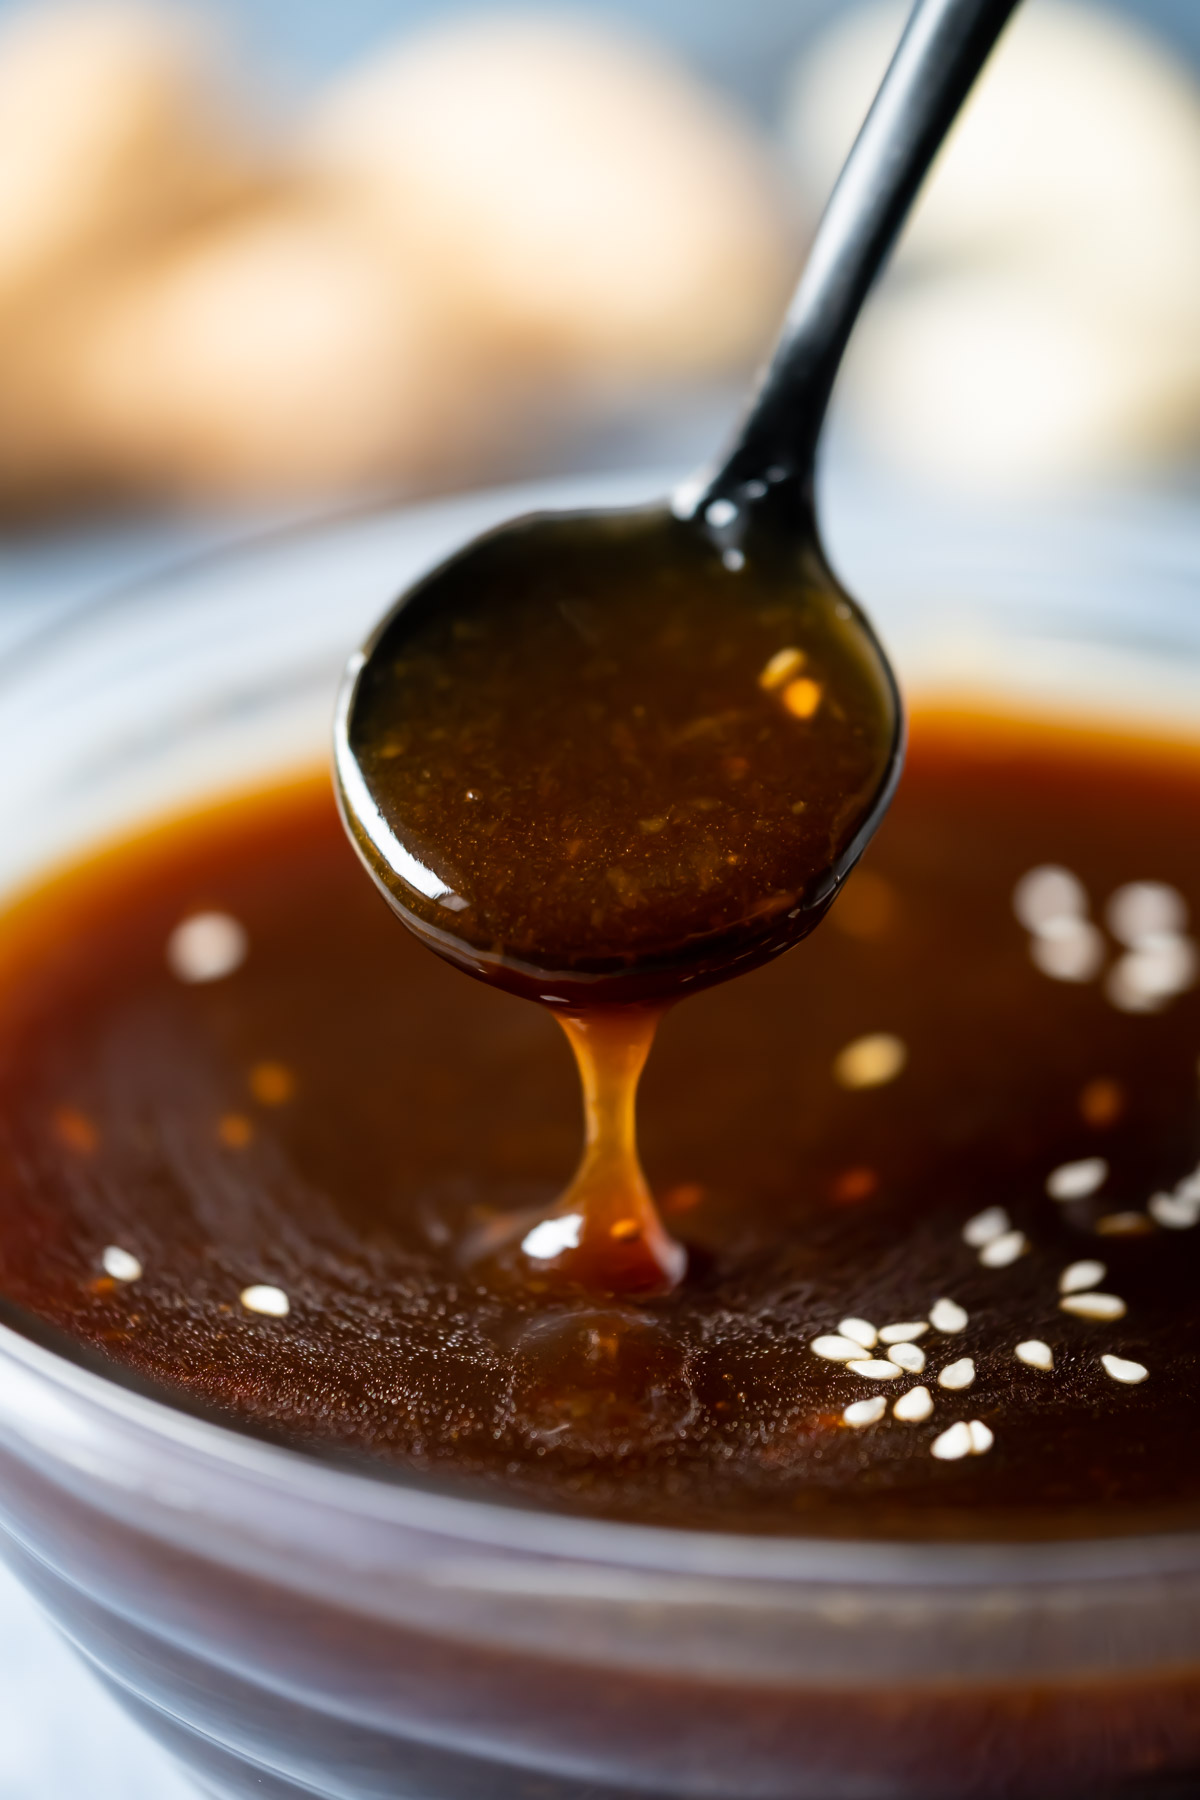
column 770, row 468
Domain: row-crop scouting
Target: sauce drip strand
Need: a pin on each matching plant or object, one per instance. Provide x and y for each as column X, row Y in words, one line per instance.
column 605, row 1233
column 603, row 763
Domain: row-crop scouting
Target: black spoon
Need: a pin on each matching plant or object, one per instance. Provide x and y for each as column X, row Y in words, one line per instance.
column 603, row 758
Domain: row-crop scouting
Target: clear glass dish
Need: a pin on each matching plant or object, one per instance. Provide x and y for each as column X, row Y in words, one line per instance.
column 290, row 1628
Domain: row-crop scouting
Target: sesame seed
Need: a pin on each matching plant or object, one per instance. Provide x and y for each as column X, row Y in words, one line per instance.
column 991, row 1223
column 734, row 559
column 871, row 1369
column 870, row 1061
column 1174, row 1211
column 903, row 1333
column 122, row 1265
column 982, row 1438
column 909, row 1357
column 207, row 947
column 837, row 1349
column 1034, row 1352
column 1068, row 950
column 1093, row 1306
column 955, row 1442
column 1047, row 893
column 947, row 1315
column 861, row 1330
column 1076, row 1180
column 264, row 1299
column 1121, row 1370
column 914, row 1406
column 865, row 1412
column 1078, row 1276
column 1162, row 966
column 958, row 1374
column 720, row 513
column 1004, row 1250
column 782, row 666
column 1143, row 909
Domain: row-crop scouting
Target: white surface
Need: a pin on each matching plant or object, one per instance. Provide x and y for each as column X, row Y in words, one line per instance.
column 61, row 1736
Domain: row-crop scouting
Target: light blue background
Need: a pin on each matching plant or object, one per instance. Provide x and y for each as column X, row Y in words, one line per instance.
column 744, row 44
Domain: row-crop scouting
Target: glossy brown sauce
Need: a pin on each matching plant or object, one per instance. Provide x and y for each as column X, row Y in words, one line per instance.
column 598, row 761
column 599, row 766
column 343, row 1119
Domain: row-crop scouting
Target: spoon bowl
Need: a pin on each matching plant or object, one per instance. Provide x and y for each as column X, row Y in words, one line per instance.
column 608, row 758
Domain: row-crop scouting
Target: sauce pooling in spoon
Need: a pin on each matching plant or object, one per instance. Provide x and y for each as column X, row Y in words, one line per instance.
column 601, row 762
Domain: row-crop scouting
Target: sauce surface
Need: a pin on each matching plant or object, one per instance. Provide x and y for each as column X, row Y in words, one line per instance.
column 339, row 1125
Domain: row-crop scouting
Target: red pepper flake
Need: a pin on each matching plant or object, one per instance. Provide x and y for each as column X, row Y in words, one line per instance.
column 76, row 1130
column 1102, row 1102
column 853, row 1185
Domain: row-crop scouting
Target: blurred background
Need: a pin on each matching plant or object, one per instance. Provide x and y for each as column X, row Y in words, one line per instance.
column 269, row 257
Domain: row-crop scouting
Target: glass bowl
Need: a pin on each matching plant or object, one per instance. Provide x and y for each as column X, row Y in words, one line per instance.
column 291, row 1628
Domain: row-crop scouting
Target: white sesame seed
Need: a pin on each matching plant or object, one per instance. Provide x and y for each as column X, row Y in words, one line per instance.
column 1093, row 1306
column 1144, row 909
column 1121, row 1370
column 782, row 666
column 1161, row 967
column 1174, row 1211
column 264, row 1299
column 861, row 1330
column 873, row 1370
column 955, row 1442
column 1076, row 1180
column 733, row 559
column 870, row 1061
column 1004, row 1250
column 947, row 1315
column 991, row 1223
column 903, row 1333
column 914, row 1406
column 1068, row 950
column 207, row 947
column 720, row 513
column 909, row 1357
column 865, row 1412
column 122, row 1265
column 1034, row 1352
column 837, row 1349
column 958, row 1374
column 1125, row 991
column 1048, row 892
column 982, row 1438
column 1078, row 1276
